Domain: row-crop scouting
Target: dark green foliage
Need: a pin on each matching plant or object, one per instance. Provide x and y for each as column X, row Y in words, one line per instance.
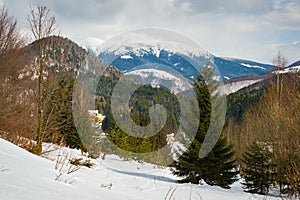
column 258, row 170
column 140, row 103
column 238, row 102
column 130, row 143
column 217, row 168
column 65, row 118
column 105, row 86
column 145, row 97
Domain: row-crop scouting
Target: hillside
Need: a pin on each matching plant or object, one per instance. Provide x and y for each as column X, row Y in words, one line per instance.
column 254, row 112
column 64, row 61
column 28, row 177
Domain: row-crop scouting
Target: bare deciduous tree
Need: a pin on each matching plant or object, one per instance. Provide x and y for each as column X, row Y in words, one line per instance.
column 42, row 25
column 10, row 43
column 10, row 38
column 280, row 63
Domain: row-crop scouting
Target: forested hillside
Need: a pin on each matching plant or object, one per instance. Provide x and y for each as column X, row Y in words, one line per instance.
column 264, row 124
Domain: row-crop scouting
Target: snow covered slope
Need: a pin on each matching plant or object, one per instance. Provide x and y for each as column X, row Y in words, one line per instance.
column 160, row 77
column 92, row 44
column 29, row 177
column 232, row 87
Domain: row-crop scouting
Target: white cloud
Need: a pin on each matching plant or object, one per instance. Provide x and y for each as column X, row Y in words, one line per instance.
column 296, row 43
column 237, row 28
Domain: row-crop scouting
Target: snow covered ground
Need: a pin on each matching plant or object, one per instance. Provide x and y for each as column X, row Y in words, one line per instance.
column 28, row 177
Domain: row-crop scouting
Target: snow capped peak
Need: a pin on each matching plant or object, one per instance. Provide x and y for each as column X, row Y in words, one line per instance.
column 92, row 44
column 140, row 49
column 151, row 40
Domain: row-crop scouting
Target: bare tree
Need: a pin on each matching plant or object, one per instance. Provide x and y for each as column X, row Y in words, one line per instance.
column 10, row 38
column 42, row 25
column 10, row 43
column 280, row 63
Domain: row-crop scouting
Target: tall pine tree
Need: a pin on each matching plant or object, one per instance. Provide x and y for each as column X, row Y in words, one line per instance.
column 258, row 171
column 217, row 168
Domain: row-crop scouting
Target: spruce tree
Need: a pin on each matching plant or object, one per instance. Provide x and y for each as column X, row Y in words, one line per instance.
column 217, row 167
column 258, row 171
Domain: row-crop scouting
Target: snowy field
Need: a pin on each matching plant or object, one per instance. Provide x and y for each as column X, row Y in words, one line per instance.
column 24, row 176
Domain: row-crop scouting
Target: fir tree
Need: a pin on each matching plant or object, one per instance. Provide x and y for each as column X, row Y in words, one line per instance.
column 217, row 167
column 258, row 171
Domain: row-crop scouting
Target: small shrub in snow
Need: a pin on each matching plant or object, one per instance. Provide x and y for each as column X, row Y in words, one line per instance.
column 80, row 162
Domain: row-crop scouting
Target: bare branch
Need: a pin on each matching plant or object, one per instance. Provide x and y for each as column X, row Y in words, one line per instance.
column 10, row 38
column 41, row 23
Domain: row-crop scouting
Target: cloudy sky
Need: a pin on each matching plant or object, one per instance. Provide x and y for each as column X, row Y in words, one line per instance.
column 255, row 29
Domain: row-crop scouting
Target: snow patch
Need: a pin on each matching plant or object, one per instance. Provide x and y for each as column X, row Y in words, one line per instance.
column 252, row 66
column 217, row 78
column 294, row 68
column 126, row 57
column 159, row 75
column 156, row 52
column 21, row 76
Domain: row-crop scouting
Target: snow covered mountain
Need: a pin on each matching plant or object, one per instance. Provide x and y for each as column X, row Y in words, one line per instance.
column 92, row 45
column 128, row 58
column 179, row 62
column 132, row 58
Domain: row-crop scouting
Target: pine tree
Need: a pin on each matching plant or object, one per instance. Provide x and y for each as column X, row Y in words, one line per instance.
column 217, row 167
column 258, row 171
column 68, row 130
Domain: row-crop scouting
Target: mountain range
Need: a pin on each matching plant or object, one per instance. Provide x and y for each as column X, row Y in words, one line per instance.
column 146, row 60
column 64, row 55
column 134, row 59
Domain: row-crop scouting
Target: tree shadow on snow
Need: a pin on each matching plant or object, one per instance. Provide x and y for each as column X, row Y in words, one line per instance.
column 144, row 175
